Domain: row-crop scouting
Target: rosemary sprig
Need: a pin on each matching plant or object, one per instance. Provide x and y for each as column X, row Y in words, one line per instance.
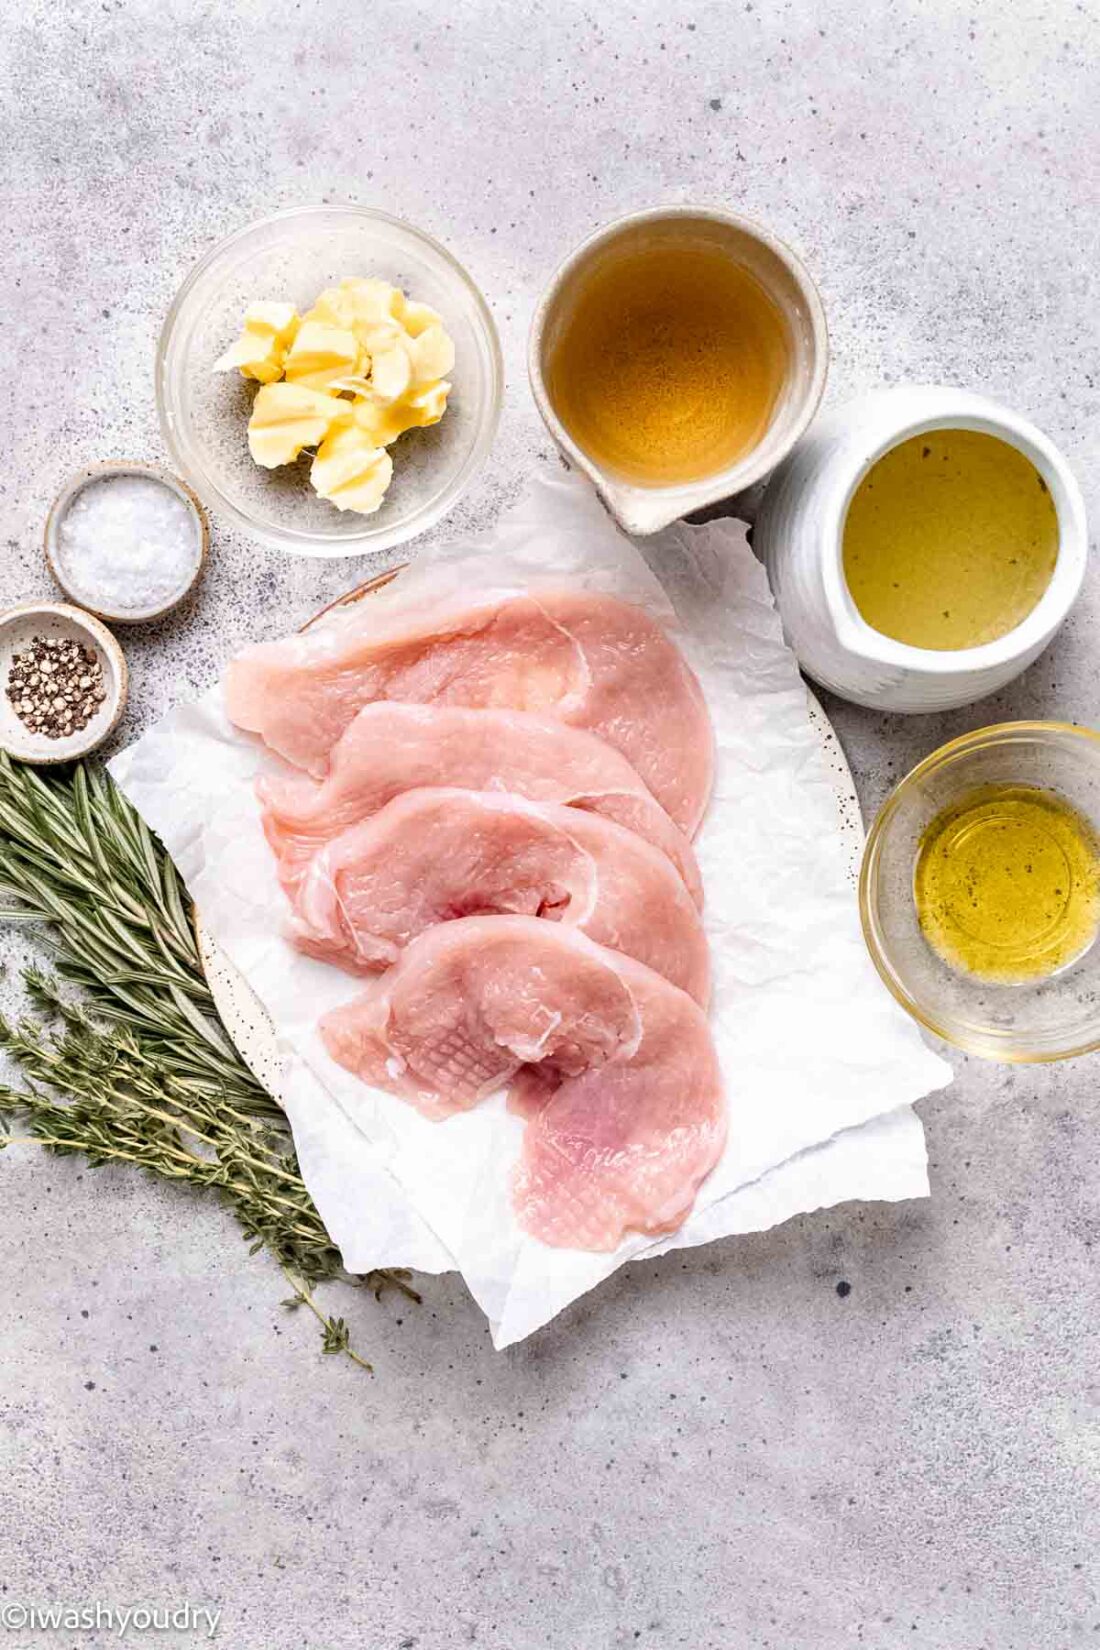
column 139, row 1069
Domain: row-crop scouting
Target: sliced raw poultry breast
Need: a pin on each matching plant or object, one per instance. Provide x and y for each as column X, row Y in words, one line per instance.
column 391, row 748
column 436, row 855
column 617, row 1074
column 586, row 659
column 301, row 693
column 642, row 697
column 622, row 1146
column 469, row 1002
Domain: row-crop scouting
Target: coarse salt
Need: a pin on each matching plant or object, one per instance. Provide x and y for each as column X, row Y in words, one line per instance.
column 128, row 544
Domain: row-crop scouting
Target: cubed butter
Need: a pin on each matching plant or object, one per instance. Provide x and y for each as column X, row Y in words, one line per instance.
column 432, row 354
column 359, row 368
column 415, row 411
column 390, row 372
column 287, row 417
column 320, row 353
column 260, row 351
column 350, row 471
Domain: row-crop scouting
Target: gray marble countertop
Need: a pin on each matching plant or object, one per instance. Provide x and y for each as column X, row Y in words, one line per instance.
column 723, row 1448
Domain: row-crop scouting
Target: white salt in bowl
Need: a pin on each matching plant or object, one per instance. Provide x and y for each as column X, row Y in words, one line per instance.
column 18, row 628
column 185, row 534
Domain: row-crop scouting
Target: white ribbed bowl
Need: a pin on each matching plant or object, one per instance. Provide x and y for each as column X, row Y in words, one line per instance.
column 799, row 534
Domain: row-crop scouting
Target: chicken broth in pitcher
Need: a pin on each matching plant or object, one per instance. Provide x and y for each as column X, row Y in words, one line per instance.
column 670, row 363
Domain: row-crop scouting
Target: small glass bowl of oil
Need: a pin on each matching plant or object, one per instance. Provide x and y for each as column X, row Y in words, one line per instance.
column 980, row 891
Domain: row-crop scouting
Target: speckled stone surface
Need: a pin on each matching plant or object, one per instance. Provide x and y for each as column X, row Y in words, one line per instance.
column 878, row 1426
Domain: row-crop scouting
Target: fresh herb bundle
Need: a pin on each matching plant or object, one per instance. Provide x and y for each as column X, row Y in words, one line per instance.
column 136, row 1067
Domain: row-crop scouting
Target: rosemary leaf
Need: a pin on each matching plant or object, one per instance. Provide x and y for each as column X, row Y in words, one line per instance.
column 139, row 1069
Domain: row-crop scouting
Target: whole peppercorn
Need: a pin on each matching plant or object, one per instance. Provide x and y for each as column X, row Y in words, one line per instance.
column 55, row 686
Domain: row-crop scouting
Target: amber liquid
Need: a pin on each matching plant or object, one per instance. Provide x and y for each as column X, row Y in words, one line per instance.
column 670, row 363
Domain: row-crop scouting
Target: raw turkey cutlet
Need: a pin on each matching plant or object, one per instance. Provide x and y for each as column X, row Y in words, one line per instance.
column 588, row 660
column 435, row 855
column 390, row 748
column 613, row 1068
column 488, row 806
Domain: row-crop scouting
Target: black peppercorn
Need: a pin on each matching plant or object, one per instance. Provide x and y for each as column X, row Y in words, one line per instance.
column 55, row 686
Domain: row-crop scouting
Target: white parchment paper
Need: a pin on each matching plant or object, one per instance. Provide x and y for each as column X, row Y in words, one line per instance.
column 819, row 1062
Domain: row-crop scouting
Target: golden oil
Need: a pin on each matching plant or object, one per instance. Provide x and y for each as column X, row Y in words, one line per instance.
column 1007, row 884
column 950, row 540
column 669, row 364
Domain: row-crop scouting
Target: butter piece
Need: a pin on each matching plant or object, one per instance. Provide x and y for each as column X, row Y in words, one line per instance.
column 384, row 423
column 372, row 301
column 359, row 368
column 381, row 424
column 333, row 308
column 432, row 354
column 429, row 404
column 418, row 318
column 376, row 336
column 355, row 385
column 390, row 373
column 287, row 417
column 359, row 303
column 350, row 471
column 259, row 352
column 320, row 353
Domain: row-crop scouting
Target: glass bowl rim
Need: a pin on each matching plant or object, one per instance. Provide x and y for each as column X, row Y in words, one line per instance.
column 971, row 1040
column 371, row 540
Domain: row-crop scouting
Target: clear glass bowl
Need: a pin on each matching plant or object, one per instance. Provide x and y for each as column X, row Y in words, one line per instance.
column 1047, row 1019
column 204, row 414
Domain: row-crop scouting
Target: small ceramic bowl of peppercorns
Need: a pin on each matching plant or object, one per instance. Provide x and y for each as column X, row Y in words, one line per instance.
column 63, row 682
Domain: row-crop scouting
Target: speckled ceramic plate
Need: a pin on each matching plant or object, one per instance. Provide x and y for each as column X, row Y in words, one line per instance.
column 247, row 1020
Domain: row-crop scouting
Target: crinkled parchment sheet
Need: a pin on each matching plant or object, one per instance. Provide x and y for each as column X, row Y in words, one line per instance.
column 820, row 1064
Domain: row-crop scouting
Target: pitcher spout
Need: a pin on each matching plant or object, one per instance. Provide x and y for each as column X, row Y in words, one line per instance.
column 640, row 511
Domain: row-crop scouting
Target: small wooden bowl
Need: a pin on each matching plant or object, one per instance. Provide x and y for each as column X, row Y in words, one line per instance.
column 61, row 506
column 18, row 626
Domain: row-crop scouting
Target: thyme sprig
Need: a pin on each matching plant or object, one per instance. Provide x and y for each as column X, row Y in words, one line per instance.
column 138, row 1068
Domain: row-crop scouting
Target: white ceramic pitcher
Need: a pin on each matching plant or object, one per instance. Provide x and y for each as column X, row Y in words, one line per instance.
column 646, row 509
column 799, row 534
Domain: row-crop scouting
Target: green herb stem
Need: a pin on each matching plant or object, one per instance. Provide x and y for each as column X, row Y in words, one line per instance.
column 148, row 1074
